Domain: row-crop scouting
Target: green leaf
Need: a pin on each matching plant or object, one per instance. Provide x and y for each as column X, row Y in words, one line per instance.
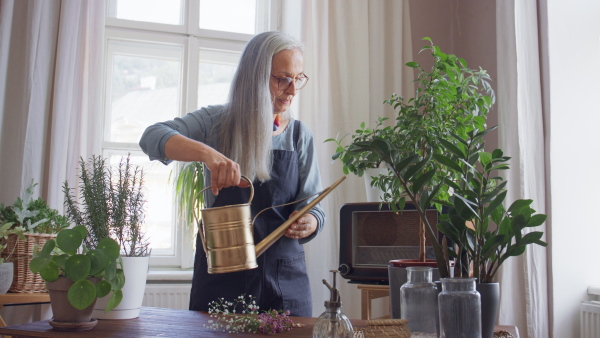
column 78, row 267
column 98, row 259
column 81, row 229
column 103, row 287
column 533, row 237
column 519, row 204
column 494, row 204
column 50, row 272
column 69, row 240
column 422, row 180
column 111, row 270
column 38, row 263
column 446, row 161
column 412, row 64
column 82, row 294
column 114, row 301
column 110, row 246
column 61, row 260
column 452, row 148
column 47, row 248
column 416, row 167
column 405, row 162
column 536, row 220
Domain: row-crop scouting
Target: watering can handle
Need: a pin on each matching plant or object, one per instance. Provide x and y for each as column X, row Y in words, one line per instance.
column 247, row 180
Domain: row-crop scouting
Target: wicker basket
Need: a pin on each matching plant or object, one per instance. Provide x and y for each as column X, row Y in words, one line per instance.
column 24, row 281
column 384, row 328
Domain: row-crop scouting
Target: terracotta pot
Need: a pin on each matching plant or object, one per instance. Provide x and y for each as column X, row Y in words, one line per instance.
column 62, row 310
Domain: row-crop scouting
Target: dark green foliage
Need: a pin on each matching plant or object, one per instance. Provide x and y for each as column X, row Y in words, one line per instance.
column 435, row 156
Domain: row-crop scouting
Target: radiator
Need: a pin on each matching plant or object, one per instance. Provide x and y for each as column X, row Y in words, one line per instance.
column 590, row 315
column 171, row 296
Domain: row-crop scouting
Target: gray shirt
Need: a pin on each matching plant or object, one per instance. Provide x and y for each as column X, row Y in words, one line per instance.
column 198, row 125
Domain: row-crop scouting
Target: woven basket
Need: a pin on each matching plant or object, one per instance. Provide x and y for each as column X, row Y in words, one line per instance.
column 384, row 328
column 24, row 281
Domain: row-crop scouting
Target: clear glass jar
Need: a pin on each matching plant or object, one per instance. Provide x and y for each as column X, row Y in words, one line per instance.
column 460, row 308
column 333, row 323
column 418, row 298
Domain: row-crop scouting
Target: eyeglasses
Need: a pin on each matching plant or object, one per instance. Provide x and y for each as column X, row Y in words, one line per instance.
column 284, row 82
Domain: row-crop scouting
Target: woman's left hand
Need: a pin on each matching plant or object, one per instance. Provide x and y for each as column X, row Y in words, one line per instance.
column 303, row 227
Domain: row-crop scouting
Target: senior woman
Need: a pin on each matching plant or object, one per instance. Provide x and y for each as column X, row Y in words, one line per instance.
column 254, row 135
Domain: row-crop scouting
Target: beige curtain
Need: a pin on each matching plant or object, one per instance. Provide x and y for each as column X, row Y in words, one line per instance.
column 355, row 56
column 50, row 92
column 524, row 279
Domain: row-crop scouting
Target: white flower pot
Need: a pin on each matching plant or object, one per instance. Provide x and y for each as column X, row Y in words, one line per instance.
column 373, row 194
column 6, row 276
column 136, row 271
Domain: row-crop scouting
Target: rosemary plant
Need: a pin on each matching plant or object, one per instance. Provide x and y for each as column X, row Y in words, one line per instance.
column 111, row 204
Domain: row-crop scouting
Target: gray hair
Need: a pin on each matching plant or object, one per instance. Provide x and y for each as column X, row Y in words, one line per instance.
column 245, row 132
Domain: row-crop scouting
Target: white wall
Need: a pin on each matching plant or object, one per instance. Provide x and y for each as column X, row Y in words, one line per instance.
column 574, row 77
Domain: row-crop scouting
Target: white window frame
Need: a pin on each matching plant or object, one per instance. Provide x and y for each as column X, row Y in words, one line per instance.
column 193, row 39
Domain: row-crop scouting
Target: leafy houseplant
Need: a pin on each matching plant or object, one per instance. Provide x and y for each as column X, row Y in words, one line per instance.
column 7, row 229
column 34, row 216
column 450, row 99
column 66, row 257
column 435, row 157
column 111, row 204
column 189, row 183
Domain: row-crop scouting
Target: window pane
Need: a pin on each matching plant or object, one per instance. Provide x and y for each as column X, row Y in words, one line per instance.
column 157, row 11
column 159, row 224
column 144, row 88
column 238, row 16
column 216, row 72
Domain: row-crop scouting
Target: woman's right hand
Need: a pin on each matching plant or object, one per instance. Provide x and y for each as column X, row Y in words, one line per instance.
column 224, row 172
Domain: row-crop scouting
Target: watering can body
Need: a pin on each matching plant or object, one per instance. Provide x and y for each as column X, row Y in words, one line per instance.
column 227, row 233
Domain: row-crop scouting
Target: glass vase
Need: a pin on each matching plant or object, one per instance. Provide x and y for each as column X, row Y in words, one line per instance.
column 333, row 324
column 460, row 308
column 418, row 302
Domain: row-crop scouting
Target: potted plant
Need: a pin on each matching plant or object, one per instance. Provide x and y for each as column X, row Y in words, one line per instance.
column 111, row 205
column 7, row 230
column 189, row 183
column 39, row 223
column 76, row 275
column 436, row 158
column 449, row 99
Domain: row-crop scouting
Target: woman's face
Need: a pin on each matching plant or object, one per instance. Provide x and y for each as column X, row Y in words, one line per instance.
column 287, row 63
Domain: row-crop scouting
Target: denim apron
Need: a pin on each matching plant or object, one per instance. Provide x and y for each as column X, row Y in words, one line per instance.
column 280, row 282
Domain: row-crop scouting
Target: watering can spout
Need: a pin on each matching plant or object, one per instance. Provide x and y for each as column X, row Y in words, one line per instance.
column 227, row 238
column 280, row 231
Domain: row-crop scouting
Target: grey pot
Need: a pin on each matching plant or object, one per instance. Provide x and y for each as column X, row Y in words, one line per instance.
column 6, row 276
column 490, row 301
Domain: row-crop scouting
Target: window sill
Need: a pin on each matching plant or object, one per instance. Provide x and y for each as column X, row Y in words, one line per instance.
column 169, row 276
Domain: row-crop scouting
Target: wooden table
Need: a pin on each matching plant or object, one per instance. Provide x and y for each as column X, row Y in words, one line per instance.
column 22, row 299
column 154, row 322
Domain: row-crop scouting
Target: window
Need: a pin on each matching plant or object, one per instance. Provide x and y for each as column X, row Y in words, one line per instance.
column 165, row 58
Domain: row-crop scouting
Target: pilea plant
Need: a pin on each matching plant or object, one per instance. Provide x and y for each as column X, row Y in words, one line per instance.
column 67, row 257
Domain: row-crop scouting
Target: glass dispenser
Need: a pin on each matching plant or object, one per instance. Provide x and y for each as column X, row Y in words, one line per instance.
column 333, row 323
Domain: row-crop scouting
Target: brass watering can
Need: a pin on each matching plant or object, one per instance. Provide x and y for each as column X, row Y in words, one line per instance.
column 226, row 233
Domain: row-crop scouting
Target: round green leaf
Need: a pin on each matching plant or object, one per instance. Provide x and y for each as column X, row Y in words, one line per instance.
column 78, row 267
column 119, row 281
column 99, row 261
column 111, row 247
column 111, row 270
column 102, row 288
column 82, row 294
column 81, row 229
column 50, row 272
column 47, row 248
column 39, row 263
column 114, row 301
column 69, row 240
column 61, row 260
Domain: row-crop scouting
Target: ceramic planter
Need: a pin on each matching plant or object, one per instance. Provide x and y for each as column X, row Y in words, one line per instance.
column 490, row 301
column 6, row 276
column 136, row 271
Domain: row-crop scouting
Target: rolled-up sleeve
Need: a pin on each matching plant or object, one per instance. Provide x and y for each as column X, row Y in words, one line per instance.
column 195, row 125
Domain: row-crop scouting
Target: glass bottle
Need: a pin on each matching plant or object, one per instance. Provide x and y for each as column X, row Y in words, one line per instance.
column 333, row 323
column 418, row 302
column 460, row 308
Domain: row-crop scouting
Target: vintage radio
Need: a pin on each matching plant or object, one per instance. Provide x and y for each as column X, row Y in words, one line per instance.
column 370, row 237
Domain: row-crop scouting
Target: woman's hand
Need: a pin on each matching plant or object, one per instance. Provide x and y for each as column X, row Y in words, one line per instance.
column 224, row 172
column 303, row 227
